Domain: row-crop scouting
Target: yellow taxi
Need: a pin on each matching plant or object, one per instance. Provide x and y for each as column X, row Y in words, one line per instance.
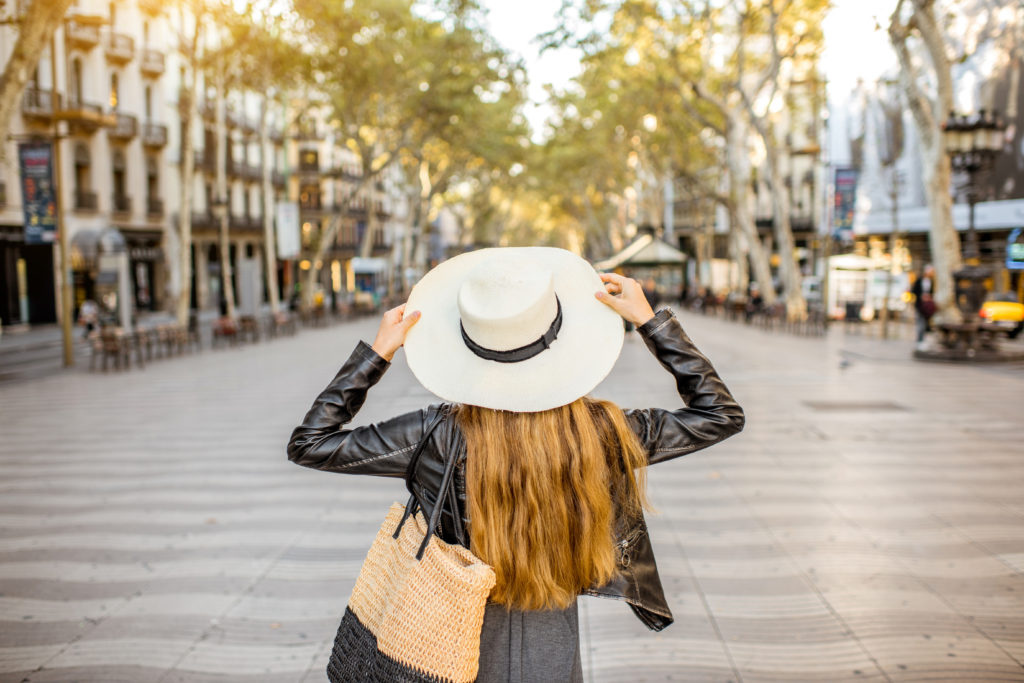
column 1007, row 315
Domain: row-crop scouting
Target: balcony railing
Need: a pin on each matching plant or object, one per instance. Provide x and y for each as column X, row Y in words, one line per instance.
column 311, row 204
column 37, row 104
column 203, row 161
column 126, row 128
column 252, row 172
column 120, row 48
column 245, row 223
column 309, row 168
column 307, row 131
column 154, row 134
column 82, row 32
column 152, row 62
column 121, row 203
column 85, row 200
column 84, row 116
column 203, row 221
column 154, row 206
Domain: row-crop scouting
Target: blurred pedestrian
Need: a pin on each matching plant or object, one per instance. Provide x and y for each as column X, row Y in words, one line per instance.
column 88, row 317
column 924, row 302
column 651, row 293
column 550, row 482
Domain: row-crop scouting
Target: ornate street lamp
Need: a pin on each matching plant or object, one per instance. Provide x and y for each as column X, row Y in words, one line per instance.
column 972, row 145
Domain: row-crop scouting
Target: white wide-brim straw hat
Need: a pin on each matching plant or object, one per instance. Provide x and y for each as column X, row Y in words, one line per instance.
column 512, row 328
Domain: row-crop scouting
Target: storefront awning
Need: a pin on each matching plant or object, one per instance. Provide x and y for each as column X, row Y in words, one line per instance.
column 645, row 250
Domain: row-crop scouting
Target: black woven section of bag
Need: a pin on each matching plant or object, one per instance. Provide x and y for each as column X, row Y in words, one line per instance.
column 356, row 659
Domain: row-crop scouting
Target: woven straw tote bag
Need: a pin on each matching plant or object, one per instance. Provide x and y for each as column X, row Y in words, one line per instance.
column 417, row 608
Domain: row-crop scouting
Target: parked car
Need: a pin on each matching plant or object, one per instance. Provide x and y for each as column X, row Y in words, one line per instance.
column 1004, row 312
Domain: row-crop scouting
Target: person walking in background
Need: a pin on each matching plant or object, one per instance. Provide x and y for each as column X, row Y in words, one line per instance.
column 88, row 317
column 550, row 482
column 924, row 302
column 651, row 292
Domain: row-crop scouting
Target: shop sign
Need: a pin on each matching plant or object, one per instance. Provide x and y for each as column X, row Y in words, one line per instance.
column 38, row 192
column 1015, row 250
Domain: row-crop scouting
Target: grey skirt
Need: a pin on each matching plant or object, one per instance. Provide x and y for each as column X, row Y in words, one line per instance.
column 530, row 647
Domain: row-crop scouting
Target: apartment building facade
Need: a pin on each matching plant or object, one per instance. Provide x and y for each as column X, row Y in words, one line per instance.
column 115, row 112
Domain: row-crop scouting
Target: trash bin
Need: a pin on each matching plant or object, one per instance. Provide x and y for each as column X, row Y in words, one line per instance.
column 853, row 311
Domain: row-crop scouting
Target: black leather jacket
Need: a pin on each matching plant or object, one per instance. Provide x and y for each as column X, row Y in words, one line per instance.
column 385, row 448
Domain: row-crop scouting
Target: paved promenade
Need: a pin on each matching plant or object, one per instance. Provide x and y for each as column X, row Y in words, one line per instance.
column 868, row 525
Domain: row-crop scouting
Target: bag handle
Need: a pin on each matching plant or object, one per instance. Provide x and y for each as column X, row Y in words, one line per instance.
column 444, row 489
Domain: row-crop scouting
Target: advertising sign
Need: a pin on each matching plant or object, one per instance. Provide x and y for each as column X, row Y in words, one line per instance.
column 845, row 202
column 38, row 192
column 1015, row 250
column 288, row 240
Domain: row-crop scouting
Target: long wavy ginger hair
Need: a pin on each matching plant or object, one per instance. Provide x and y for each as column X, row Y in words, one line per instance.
column 541, row 493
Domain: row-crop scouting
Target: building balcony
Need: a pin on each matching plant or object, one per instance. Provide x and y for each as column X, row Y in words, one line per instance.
column 204, row 221
column 85, row 200
column 357, row 207
column 120, row 48
column 38, row 104
column 311, row 205
column 85, row 117
column 245, row 223
column 306, row 131
column 277, row 178
column 247, row 125
column 83, row 31
column 126, row 127
column 154, row 207
column 121, row 203
column 154, row 134
column 203, row 161
column 252, row 172
column 152, row 62
column 309, row 168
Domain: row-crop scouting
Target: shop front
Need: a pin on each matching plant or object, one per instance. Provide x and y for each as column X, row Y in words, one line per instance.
column 27, row 292
column 145, row 257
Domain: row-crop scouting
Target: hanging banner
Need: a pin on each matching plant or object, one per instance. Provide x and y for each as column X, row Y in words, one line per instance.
column 287, row 219
column 38, row 192
column 845, row 203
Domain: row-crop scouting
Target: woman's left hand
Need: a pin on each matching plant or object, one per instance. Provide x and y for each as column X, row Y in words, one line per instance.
column 391, row 333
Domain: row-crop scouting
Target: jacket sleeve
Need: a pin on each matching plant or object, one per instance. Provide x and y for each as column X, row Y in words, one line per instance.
column 384, row 449
column 710, row 414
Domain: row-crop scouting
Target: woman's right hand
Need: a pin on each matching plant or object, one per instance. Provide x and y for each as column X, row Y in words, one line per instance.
column 630, row 303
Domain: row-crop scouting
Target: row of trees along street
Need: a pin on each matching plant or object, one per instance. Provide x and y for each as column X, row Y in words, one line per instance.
column 698, row 93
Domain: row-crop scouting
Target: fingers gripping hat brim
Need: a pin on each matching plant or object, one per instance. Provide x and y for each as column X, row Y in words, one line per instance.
column 584, row 352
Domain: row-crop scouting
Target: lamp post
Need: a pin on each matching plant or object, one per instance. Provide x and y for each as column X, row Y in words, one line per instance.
column 972, row 145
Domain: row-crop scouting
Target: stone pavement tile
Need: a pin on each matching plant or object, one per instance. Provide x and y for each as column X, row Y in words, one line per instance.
column 956, row 657
column 26, row 657
column 772, row 630
column 56, row 589
column 88, row 674
column 842, row 659
column 211, row 657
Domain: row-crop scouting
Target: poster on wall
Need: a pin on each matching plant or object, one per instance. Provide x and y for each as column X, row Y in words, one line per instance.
column 287, row 219
column 38, row 192
column 845, row 203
